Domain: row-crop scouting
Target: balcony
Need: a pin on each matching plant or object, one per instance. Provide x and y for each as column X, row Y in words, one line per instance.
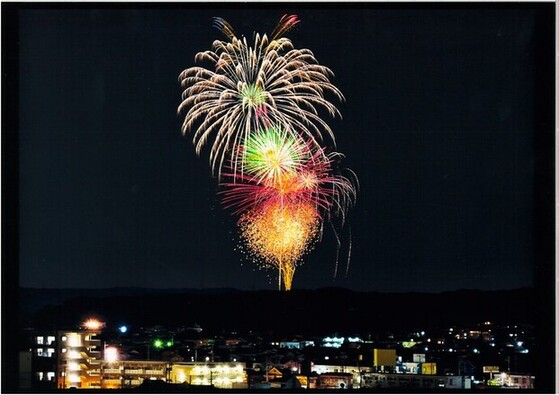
column 155, row 372
column 111, row 371
column 134, row 371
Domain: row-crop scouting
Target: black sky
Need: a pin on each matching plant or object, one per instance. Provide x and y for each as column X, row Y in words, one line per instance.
column 439, row 124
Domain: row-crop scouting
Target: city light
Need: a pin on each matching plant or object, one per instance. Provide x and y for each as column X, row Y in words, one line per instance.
column 231, row 375
column 111, row 354
column 123, row 329
column 73, row 378
column 335, row 342
column 93, row 324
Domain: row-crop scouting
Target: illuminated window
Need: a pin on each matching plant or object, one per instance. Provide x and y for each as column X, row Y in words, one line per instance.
column 74, row 340
column 64, row 338
column 50, row 352
column 63, row 350
column 50, row 340
column 40, row 375
column 50, row 376
column 74, row 354
column 40, row 339
column 73, row 378
column 40, row 352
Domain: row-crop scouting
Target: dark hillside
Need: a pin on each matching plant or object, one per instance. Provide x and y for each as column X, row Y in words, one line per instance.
column 297, row 312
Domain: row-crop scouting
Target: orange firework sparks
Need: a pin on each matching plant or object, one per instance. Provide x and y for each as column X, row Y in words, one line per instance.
column 280, row 234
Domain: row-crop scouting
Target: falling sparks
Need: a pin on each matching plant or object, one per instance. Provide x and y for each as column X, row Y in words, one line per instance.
column 280, row 234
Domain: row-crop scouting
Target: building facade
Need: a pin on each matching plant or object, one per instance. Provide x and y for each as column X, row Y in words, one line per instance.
column 78, row 359
column 356, row 372
column 130, row 374
column 44, row 360
column 390, row 380
column 220, row 375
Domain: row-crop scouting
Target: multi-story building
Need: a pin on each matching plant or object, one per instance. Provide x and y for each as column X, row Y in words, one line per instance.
column 356, row 372
column 129, row 374
column 521, row 381
column 220, row 375
column 335, row 381
column 66, row 359
column 390, row 380
column 79, row 359
column 44, row 360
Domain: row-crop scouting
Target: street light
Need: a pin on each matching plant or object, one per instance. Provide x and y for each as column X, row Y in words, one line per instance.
column 111, row 354
column 93, row 324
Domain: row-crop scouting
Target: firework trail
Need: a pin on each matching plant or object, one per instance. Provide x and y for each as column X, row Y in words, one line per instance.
column 348, row 253
column 258, row 106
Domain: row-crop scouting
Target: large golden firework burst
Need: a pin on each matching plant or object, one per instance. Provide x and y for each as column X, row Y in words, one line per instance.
column 248, row 87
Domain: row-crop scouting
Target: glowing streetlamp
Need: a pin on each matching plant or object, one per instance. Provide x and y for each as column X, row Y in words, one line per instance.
column 93, row 324
column 111, row 354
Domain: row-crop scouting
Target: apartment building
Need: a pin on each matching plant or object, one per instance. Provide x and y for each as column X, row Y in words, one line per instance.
column 79, row 359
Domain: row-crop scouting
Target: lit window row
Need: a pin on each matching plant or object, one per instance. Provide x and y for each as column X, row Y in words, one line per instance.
column 47, row 352
column 48, row 341
column 45, row 376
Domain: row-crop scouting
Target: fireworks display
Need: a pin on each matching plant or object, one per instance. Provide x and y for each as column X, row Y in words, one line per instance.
column 259, row 104
column 249, row 88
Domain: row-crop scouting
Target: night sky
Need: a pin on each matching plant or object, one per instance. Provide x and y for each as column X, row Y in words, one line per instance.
column 439, row 124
